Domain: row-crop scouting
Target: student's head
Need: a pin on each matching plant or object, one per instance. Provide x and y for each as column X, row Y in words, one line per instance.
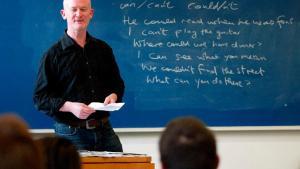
column 59, row 153
column 77, row 13
column 11, row 125
column 187, row 143
column 17, row 148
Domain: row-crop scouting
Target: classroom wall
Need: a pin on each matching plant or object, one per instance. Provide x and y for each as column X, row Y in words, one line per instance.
column 238, row 149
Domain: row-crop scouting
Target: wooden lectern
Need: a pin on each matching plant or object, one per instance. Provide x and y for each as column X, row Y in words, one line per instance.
column 120, row 162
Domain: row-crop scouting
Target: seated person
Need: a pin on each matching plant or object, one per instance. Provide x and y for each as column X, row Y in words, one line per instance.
column 17, row 148
column 187, row 143
column 59, row 153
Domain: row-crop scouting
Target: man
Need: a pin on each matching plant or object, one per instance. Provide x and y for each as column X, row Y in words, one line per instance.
column 74, row 72
column 187, row 144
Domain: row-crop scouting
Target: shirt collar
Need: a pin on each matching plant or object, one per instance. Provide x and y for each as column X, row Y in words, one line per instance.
column 67, row 41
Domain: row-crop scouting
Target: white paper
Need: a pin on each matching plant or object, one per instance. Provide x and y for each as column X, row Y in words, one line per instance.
column 86, row 153
column 108, row 107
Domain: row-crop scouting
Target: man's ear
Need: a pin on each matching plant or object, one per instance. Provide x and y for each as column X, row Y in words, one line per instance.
column 63, row 15
column 92, row 13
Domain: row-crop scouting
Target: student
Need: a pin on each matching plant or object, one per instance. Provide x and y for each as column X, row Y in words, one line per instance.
column 59, row 153
column 187, row 143
column 17, row 148
column 75, row 71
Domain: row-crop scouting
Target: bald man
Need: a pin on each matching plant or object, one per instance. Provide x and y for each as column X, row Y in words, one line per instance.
column 75, row 71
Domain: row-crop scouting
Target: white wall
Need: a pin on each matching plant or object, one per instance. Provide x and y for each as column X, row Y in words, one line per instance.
column 240, row 148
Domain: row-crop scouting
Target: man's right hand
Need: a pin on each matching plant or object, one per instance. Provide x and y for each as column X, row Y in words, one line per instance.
column 80, row 110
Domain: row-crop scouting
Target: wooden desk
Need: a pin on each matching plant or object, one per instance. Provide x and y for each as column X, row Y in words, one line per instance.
column 126, row 162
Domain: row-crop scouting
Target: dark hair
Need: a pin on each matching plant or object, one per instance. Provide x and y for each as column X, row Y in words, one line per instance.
column 186, row 143
column 17, row 148
column 59, row 153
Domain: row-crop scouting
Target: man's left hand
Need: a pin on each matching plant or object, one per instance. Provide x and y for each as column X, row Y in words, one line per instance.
column 112, row 98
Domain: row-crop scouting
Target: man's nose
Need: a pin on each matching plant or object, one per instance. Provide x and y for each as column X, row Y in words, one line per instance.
column 78, row 12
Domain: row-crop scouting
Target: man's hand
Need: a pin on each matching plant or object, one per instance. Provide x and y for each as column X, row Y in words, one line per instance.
column 112, row 98
column 80, row 110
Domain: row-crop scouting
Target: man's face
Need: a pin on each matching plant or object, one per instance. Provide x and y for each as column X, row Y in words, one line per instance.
column 78, row 14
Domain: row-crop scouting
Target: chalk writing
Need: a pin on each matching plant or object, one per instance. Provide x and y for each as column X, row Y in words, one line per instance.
column 194, row 50
column 147, row 4
column 217, row 6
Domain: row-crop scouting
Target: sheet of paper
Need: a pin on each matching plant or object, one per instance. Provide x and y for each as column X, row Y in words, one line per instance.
column 108, row 107
column 86, row 153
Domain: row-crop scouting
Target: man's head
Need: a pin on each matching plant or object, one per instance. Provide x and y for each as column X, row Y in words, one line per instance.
column 186, row 143
column 78, row 14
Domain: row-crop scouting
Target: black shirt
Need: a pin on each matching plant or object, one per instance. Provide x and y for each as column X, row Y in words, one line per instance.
column 69, row 72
